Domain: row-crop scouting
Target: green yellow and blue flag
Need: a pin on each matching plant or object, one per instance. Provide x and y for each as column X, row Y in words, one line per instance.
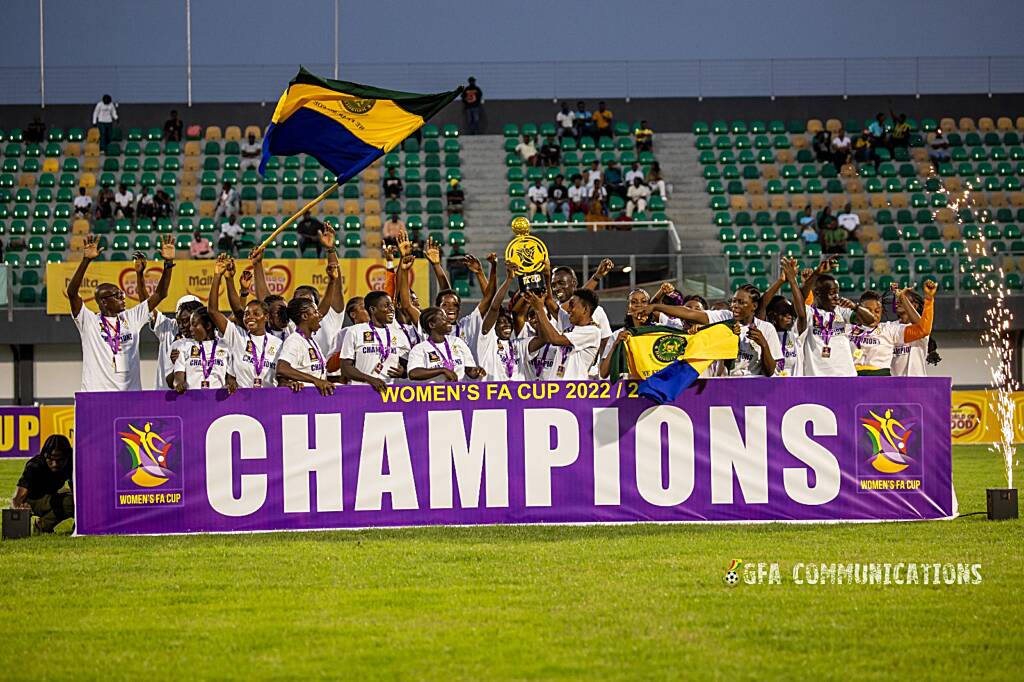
column 345, row 126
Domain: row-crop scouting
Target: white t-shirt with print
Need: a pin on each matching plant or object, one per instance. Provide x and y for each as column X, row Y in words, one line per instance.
column 791, row 345
column 496, row 356
column 364, row 343
column 190, row 361
column 427, row 355
column 166, row 331
column 910, row 359
column 102, row 369
column 748, row 360
column 329, row 333
column 568, row 363
column 838, row 360
column 303, row 355
column 873, row 347
column 246, row 351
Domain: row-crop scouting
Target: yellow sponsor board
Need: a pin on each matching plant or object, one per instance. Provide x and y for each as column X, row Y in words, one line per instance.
column 361, row 275
column 975, row 417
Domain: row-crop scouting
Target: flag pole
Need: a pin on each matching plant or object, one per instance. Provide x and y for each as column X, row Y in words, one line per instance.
column 311, row 204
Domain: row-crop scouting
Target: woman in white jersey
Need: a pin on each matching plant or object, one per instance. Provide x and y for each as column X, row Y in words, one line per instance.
column 911, row 358
column 301, row 362
column 874, row 344
column 375, row 353
column 442, row 356
column 253, row 351
column 204, row 361
column 827, row 348
column 501, row 356
column 636, row 302
column 758, row 343
column 789, row 320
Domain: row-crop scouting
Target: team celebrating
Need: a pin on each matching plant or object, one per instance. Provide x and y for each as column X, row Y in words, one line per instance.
column 561, row 333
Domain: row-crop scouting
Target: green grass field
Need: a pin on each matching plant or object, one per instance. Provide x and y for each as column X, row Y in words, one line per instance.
column 624, row 602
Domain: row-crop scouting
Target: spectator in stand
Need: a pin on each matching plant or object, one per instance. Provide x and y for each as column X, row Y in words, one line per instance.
column 455, row 196
column 613, row 179
column 938, row 150
column 634, row 172
column 808, row 226
column 538, row 198
column 564, row 119
column 83, row 204
column 644, row 137
column 578, row 195
column 637, row 196
column 173, row 127
column 227, row 203
column 230, row 235
column 309, row 229
column 900, row 136
column 103, row 117
column 162, row 206
column 597, row 202
column 833, row 237
column 603, row 120
column 583, row 120
column 528, row 151
column 144, row 208
column 822, row 146
column 392, row 229
column 879, row 137
column 862, row 147
column 594, row 174
column 35, row 132
column 842, row 149
column 550, row 152
column 105, row 204
column 558, row 197
column 472, row 106
column 393, row 186
column 252, row 152
column 849, row 221
column 124, row 202
column 200, row 248
column 656, row 182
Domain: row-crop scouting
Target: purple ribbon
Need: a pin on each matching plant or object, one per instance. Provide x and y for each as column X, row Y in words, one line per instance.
column 381, row 349
column 826, row 330
column 446, row 358
column 258, row 362
column 207, row 365
column 508, row 360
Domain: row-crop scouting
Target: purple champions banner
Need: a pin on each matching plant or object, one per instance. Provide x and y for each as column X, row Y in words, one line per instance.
column 808, row 449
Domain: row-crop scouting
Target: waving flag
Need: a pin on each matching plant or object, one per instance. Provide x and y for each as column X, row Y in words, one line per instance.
column 345, row 126
column 669, row 360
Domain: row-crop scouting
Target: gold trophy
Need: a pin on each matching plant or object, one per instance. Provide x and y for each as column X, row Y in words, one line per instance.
column 528, row 254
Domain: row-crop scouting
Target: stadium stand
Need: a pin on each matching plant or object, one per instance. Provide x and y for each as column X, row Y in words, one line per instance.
column 38, row 183
column 917, row 219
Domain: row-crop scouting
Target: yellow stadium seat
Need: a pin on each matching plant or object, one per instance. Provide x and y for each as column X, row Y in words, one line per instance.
column 833, row 125
column 875, row 248
column 371, row 207
column 759, row 202
column 755, row 187
column 859, row 202
column 924, row 168
column 233, row 133
column 868, row 232
column 26, row 180
column 73, row 149
column 249, row 207
column 213, row 133
column 1017, row 199
column 331, row 206
column 986, row 124
column 87, row 180
column 784, row 156
column 953, row 185
column 1004, row 124
column 848, row 170
column 77, row 242
column 351, row 207
column 192, row 148
column 838, row 203
column 187, row 193
column 91, row 164
column 80, row 226
column 92, row 149
column 945, row 215
column 899, row 200
column 268, row 206
column 947, row 125
column 371, row 174
column 93, row 135
column 853, row 185
column 880, row 266
column 372, row 222
column 371, row 190
column 770, row 172
column 738, row 202
column 289, row 206
column 253, row 130
column 1020, row 123
column 778, row 202
column 800, row 142
column 967, row 124
column 919, row 154
column 997, row 200
column 814, row 126
column 373, row 241
column 51, row 166
column 879, row 201
column 819, row 201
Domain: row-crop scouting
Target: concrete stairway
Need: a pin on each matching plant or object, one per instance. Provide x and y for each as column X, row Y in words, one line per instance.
column 486, row 210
